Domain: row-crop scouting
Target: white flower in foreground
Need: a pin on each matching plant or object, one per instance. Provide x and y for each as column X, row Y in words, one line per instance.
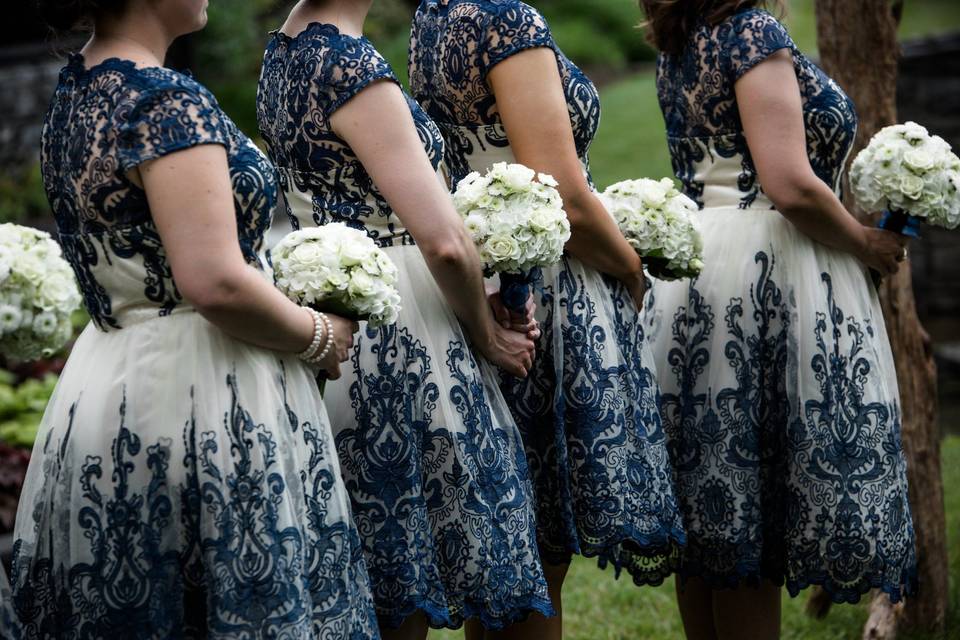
column 659, row 222
column 905, row 169
column 338, row 269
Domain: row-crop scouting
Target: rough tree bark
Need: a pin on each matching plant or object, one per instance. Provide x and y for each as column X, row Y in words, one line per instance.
column 858, row 48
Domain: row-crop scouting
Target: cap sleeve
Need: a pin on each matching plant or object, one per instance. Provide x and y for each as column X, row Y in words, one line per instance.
column 169, row 118
column 751, row 38
column 352, row 65
column 510, row 29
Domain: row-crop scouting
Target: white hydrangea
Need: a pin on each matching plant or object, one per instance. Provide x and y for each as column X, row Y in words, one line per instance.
column 904, row 168
column 38, row 294
column 338, row 269
column 660, row 223
column 515, row 216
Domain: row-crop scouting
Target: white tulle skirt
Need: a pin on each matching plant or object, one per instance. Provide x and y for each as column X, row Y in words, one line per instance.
column 781, row 408
column 435, row 467
column 185, row 484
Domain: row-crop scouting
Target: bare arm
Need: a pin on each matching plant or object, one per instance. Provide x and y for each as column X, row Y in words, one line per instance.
column 191, row 201
column 393, row 155
column 529, row 93
column 768, row 97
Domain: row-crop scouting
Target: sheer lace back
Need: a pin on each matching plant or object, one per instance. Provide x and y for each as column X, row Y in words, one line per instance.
column 304, row 80
column 454, row 45
column 105, row 121
column 704, row 132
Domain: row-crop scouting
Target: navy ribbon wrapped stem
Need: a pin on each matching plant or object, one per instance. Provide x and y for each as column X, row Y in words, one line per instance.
column 515, row 289
column 897, row 221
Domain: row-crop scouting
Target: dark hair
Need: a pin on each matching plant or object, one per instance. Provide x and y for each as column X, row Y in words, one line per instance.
column 670, row 22
column 64, row 15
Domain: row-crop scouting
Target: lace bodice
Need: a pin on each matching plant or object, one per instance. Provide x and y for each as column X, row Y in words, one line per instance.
column 453, row 46
column 105, row 121
column 304, row 80
column 704, row 132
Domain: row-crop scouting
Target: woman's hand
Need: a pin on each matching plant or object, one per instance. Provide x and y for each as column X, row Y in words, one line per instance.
column 510, row 350
column 882, row 250
column 342, row 336
column 524, row 323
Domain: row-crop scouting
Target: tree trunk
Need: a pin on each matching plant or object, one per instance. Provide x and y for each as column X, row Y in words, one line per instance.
column 858, row 48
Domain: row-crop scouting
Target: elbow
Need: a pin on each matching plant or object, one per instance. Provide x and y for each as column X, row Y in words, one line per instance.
column 577, row 207
column 795, row 195
column 450, row 249
column 212, row 293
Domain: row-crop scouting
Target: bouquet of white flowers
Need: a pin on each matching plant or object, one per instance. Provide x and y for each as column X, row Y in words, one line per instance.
column 38, row 293
column 659, row 223
column 516, row 218
column 340, row 270
column 910, row 174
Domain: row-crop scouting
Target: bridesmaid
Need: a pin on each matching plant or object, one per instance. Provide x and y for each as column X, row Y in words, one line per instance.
column 184, row 481
column 781, row 402
column 491, row 76
column 432, row 459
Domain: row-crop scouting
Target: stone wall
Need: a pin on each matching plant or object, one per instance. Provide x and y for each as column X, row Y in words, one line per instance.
column 28, row 75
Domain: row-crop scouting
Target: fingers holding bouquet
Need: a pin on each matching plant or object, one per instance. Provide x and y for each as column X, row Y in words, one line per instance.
column 515, row 218
column 342, row 272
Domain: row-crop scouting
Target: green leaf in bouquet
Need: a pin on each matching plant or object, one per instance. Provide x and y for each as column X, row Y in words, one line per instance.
column 338, row 308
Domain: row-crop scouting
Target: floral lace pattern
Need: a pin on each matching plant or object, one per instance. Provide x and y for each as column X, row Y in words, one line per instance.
column 305, row 79
column 151, row 525
column 105, row 121
column 696, row 91
column 433, row 464
column 588, row 410
column 454, row 45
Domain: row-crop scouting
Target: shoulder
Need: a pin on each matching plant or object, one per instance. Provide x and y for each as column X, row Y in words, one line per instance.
column 166, row 111
column 513, row 13
column 510, row 27
column 749, row 37
column 340, row 65
column 756, row 28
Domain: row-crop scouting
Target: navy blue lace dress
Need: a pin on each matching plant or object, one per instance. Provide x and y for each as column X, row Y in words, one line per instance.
column 184, row 484
column 431, row 457
column 589, row 410
column 779, row 390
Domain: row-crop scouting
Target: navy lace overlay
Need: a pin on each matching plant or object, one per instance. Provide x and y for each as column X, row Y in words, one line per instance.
column 455, row 43
column 588, row 410
column 453, row 547
column 796, row 492
column 198, row 546
column 105, row 121
column 696, row 91
column 304, row 80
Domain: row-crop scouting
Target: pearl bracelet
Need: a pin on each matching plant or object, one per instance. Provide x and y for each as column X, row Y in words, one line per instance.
column 319, row 326
column 329, row 344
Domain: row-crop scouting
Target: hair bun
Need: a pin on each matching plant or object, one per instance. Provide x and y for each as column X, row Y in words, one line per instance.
column 64, row 15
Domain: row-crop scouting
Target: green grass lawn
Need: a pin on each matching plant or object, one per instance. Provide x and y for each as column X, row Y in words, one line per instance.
column 597, row 607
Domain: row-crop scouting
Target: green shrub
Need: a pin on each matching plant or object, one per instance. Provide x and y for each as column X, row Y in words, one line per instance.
column 22, row 196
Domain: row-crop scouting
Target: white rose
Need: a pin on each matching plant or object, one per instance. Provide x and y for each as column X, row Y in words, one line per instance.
column 58, row 292
column 918, row 159
column 361, row 284
column 911, row 186
column 307, row 255
column 353, row 253
column 501, row 248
